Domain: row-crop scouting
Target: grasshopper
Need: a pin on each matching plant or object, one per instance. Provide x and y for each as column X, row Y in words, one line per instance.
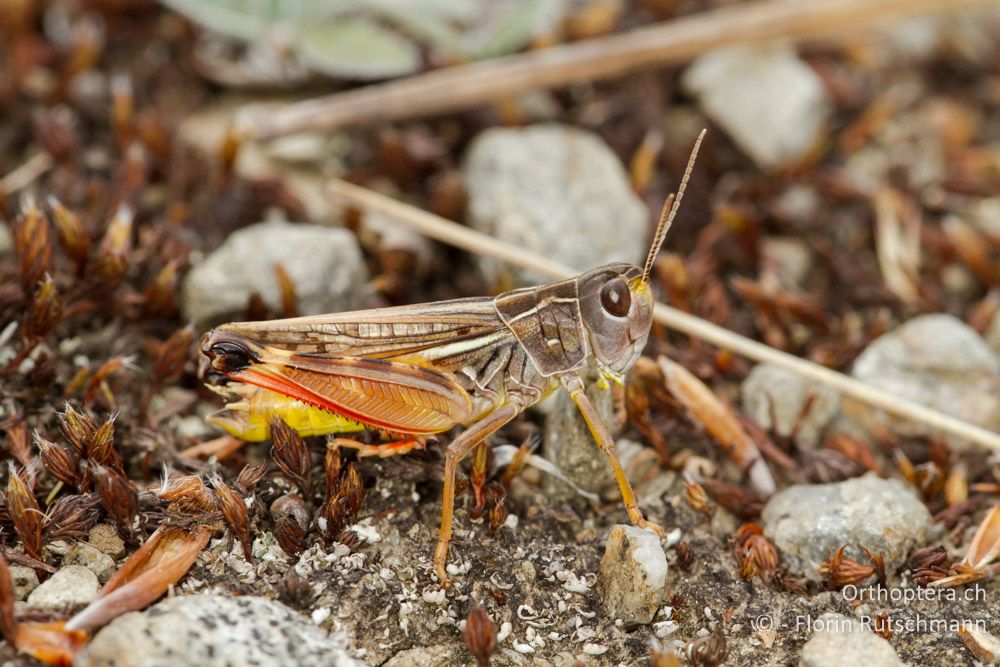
column 477, row 362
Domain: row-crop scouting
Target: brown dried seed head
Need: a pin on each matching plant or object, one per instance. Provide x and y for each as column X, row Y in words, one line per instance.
column 78, row 428
column 32, row 245
column 101, row 447
column 353, row 489
column 44, row 313
column 18, row 442
column 349, row 539
column 62, row 463
column 497, row 515
column 72, row 236
column 249, row 476
column 853, row 448
column 118, row 495
column 187, row 494
column 685, row 555
column 841, row 571
column 882, row 625
column 234, row 511
column 229, row 150
column 290, row 453
column 7, row 623
column 106, row 370
column 110, row 262
column 122, row 108
column 956, row 485
column 289, row 301
column 331, row 465
column 335, row 514
column 72, row 517
column 878, row 562
column 57, row 132
column 931, row 556
column 174, row 354
column 161, row 293
column 694, row 494
column 480, row 635
column 291, row 523
column 24, row 512
column 708, row 651
column 734, row 498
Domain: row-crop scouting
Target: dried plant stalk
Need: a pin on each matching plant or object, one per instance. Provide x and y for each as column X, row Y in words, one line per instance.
column 706, row 408
column 607, row 57
column 473, row 241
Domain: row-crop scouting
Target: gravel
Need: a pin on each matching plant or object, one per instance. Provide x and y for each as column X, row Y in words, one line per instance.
column 808, row 522
column 216, row 631
column 324, row 263
column 633, row 574
column 839, row 640
column 770, row 103
column 936, row 360
column 552, row 189
column 24, row 580
column 771, row 391
column 104, row 537
column 72, row 587
column 91, row 558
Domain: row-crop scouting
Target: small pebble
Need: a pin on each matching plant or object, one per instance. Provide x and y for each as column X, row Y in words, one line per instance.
column 808, row 522
column 24, row 580
column 217, row 631
column 91, row 558
column 838, row 640
column 773, row 105
column 771, row 391
column 633, row 574
column 552, row 189
column 70, row 588
column 330, row 276
column 105, row 537
column 935, row 360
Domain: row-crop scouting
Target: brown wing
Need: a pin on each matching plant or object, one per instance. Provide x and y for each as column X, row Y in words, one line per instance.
column 388, row 395
column 385, row 333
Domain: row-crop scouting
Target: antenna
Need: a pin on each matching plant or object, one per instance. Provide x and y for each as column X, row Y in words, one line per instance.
column 670, row 210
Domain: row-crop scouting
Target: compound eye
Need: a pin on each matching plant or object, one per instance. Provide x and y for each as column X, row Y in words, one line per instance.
column 233, row 357
column 616, row 298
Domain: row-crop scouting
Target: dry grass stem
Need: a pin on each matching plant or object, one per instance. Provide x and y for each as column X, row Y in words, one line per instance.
column 675, row 41
column 467, row 239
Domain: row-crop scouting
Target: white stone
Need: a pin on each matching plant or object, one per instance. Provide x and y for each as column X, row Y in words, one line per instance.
column 633, row 574
column 839, row 640
column 217, row 631
column 557, row 191
column 324, row 264
column 808, row 522
column 772, row 390
column 770, row 103
column 71, row 587
column 936, row 360
column 91, row 558
column 24, row 580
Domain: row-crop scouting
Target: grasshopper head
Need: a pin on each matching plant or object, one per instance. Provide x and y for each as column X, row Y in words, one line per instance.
column 617, row 308
column 616, row 300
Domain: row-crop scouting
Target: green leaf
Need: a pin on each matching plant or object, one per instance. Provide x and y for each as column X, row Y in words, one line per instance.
column 356, row 48
column 243, row 19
